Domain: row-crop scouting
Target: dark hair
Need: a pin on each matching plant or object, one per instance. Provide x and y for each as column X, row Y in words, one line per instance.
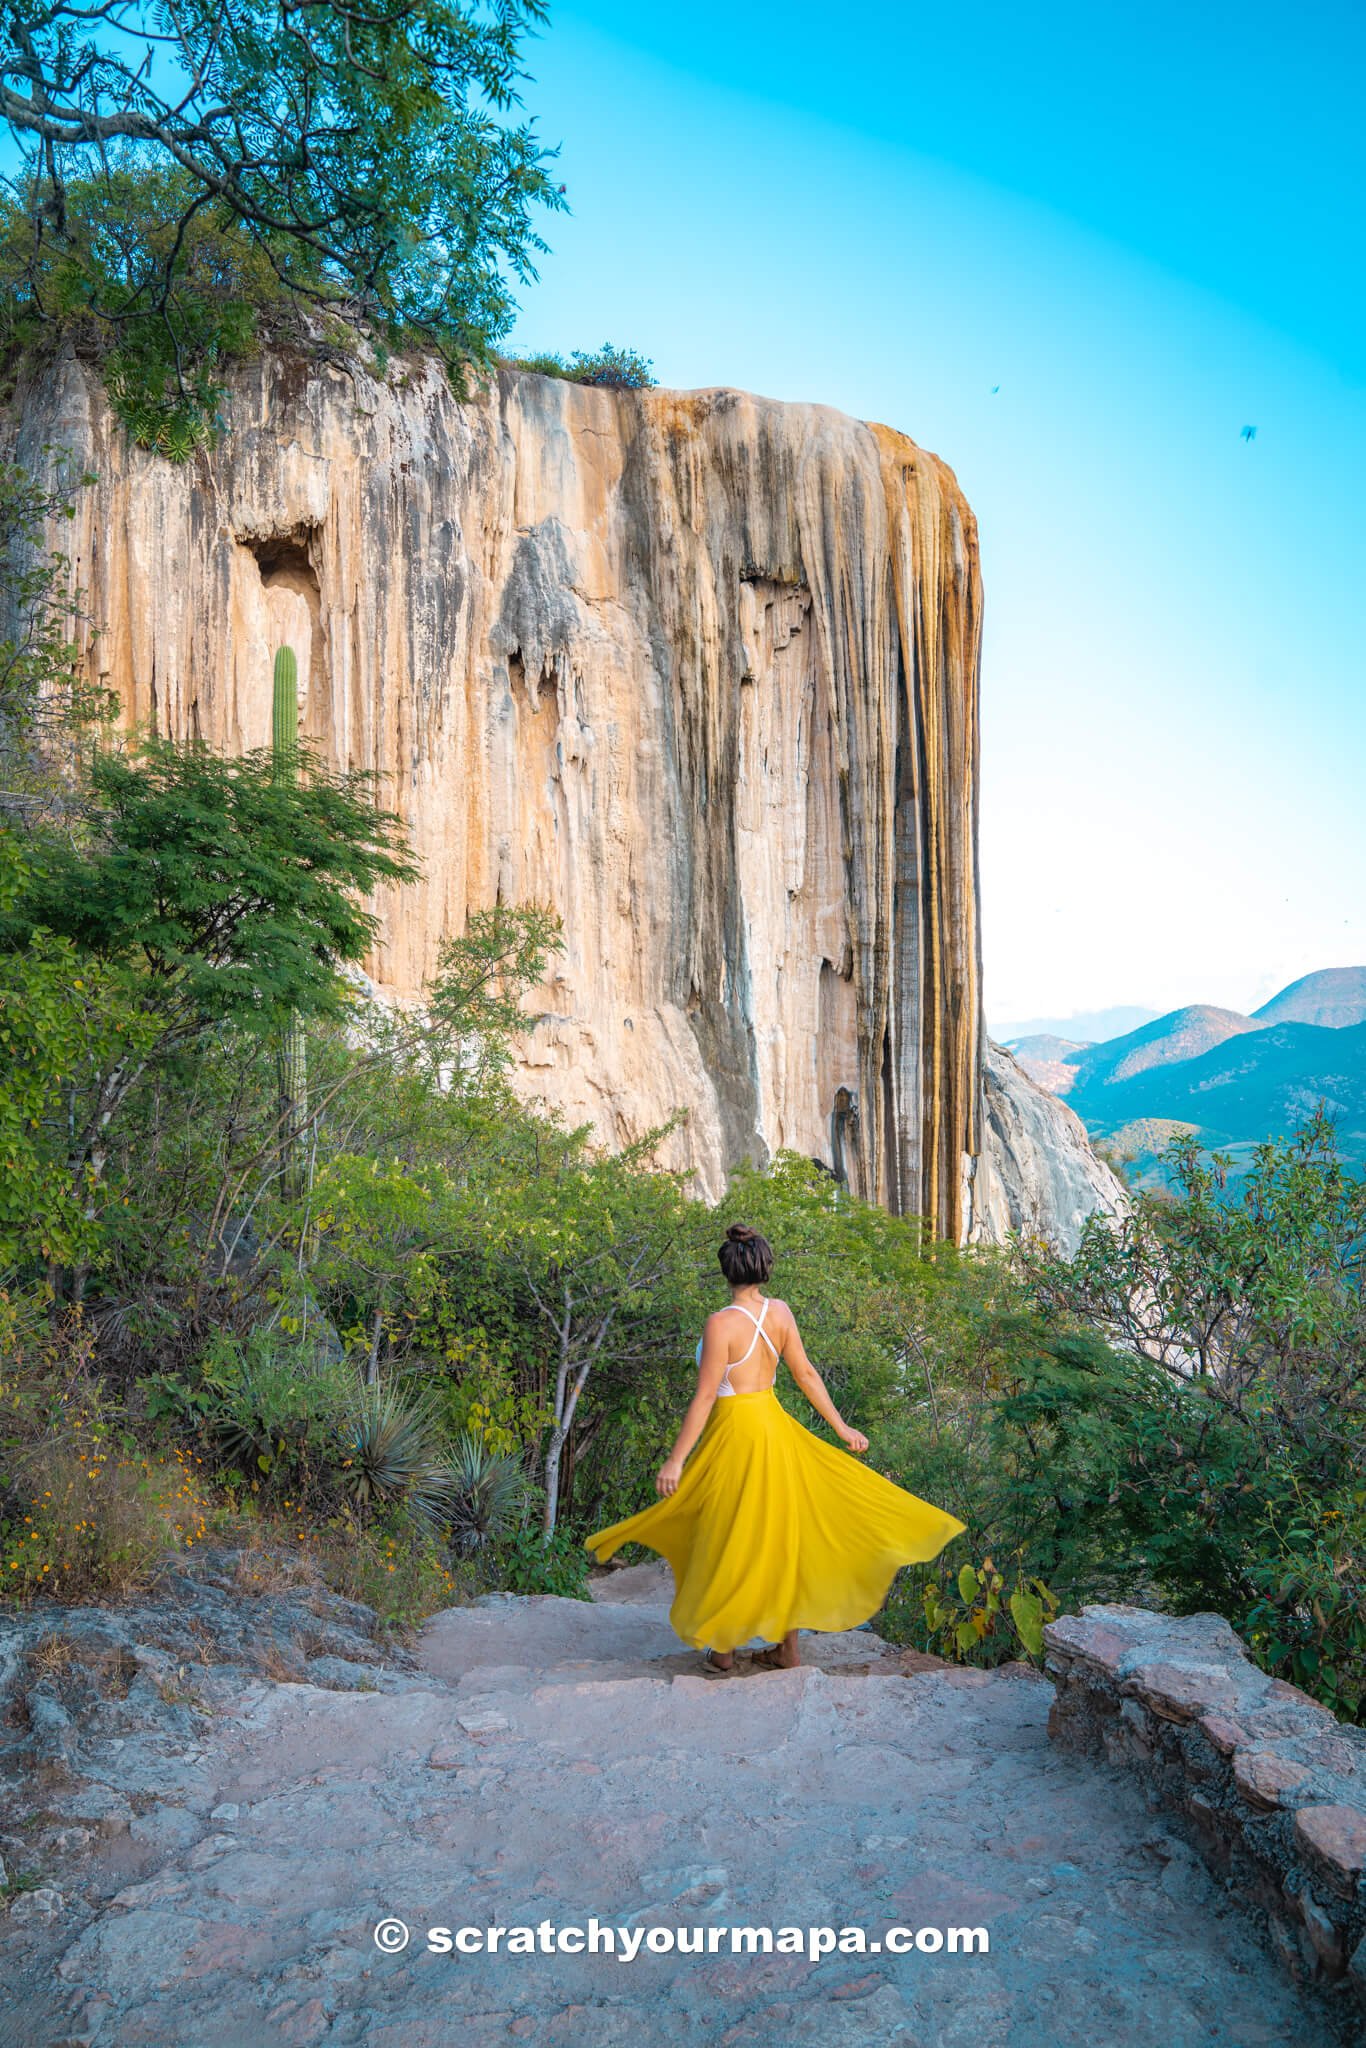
column 746, row 1258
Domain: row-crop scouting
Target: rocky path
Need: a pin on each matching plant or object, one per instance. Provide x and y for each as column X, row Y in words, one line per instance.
column 549, row 1760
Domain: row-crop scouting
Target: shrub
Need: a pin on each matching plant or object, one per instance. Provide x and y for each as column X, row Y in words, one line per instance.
column 391, row 1455
column 391, row 1563
column 619, row 369
column 530, row 1562
column 486, row 1493
column 973, row 1617
column 84, row 1510
column 272, row 1417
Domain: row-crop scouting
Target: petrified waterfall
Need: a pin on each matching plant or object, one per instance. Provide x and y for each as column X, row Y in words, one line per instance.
column 698, row 669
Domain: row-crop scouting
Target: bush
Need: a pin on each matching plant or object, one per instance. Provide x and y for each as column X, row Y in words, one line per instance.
column 391, row 1563
column 618, row 369
column 389, row 1455
column 84, row 1509
column 273, row 1420
column 486, row 1493
column 532, row 1563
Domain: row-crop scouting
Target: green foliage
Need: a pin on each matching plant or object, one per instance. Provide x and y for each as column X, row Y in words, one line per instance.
column 279, row 1421
column 47, row 706
column 183, row 893
column 292, row 1051
column 392, row 1454
column 359, row 162
column 619, row 369
column 66, row 1021
column 160, row 288
column 239, row 896
column 486, row 1492
column 532, row 1562
column 975, row 1620
column 593, row 1241
column 1213, row 1457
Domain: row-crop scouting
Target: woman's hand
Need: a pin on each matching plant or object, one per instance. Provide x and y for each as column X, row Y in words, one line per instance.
column 855, row 1438
column 668, row 1476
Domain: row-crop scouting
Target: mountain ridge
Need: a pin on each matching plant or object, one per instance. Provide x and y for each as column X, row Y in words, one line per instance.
column 1235, row 1080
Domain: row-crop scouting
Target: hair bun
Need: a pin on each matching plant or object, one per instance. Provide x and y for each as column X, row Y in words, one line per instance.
column 740, row 1233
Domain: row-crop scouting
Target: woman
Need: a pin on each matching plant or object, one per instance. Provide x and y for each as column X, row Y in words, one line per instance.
column 768, row 1529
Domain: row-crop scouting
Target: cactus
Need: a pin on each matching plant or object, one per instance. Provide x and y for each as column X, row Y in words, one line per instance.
column 284, row 720
column 292, row 1058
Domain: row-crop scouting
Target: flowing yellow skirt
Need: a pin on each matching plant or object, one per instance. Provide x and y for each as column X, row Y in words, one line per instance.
column 771, row 1529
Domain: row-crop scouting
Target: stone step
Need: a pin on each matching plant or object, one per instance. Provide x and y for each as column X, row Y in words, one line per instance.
column 545, row 1639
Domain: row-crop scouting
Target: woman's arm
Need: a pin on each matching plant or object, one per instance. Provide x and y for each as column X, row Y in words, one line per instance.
column 814, row 1388
column 710, row 1373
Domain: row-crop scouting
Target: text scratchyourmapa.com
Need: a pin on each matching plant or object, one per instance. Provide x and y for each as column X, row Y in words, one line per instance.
column 625, row 1944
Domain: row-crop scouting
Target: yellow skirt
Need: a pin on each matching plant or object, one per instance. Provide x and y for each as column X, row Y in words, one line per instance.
column 771, row 1529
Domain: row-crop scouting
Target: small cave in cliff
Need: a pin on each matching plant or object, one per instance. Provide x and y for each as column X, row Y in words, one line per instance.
column 284, row 557
column 293, row 602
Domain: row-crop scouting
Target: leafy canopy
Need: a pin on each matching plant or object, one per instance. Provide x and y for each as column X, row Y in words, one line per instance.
column 181, row 169
column 235, row 894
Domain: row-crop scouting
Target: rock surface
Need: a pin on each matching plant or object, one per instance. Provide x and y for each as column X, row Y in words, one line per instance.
column 1273, row 1787
column 1037, row 1173
column 555, row 1760
column 696, row 668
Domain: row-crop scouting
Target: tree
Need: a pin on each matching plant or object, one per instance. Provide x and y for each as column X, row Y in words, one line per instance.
column 365, row 136
column 181, row 168
column 599, row 1245
column 1216, row 1454
column 1257, row 1291
column 407, row 1108
column 203, row 893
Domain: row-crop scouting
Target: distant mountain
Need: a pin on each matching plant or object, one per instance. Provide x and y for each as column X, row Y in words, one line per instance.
column 1086, row 1027
column 1048, row 1059
column 1167, row 1041
column 1335, row 998
column 1234, row 1080
column 1256, row 1083
column 1046, row 1045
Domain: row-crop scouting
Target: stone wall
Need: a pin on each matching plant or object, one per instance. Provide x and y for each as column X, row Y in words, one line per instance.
column 1272, row 1786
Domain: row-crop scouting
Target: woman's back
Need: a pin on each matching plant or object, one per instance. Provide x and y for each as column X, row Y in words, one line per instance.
column 751, row 1344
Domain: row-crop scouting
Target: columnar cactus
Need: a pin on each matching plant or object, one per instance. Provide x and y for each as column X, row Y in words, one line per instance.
column 284, row 724
column 293, row 1050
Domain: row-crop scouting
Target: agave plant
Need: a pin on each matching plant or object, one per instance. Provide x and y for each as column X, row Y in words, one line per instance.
column 393, row 1454
column 486, row 1495
column 269, row 1413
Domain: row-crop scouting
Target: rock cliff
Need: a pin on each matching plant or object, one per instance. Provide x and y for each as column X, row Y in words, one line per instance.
column 1037, row 1172
column 698, row 669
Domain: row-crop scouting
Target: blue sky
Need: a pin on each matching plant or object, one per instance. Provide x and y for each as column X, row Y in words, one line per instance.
column 1145, row 226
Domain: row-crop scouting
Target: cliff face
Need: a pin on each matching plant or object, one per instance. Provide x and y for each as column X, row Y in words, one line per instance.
column 698, row 669
column 1038, row 1173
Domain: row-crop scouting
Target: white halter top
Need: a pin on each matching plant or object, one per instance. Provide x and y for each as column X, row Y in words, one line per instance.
column 759, row 1331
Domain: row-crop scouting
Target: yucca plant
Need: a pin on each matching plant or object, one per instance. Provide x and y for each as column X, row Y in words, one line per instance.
column 392, row 1454
column 487, row 1494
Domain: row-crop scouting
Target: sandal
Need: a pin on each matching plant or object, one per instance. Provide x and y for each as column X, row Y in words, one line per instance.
column 770, row 1659
column 712, row 1669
